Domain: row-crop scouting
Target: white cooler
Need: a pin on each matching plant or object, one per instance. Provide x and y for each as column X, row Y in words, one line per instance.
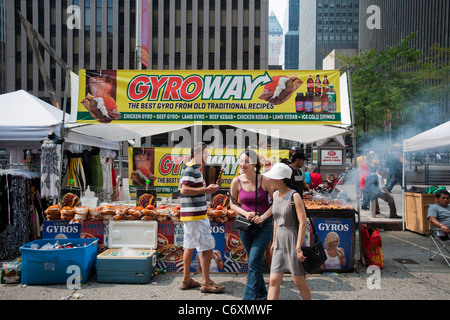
column 137, row 235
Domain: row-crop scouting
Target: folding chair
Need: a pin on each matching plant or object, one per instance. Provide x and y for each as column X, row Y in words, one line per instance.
column 441, row 242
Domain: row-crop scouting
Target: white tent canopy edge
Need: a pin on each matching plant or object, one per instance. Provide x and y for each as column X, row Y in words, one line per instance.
column 434, row 138
column 431, row 139
column 27, row 119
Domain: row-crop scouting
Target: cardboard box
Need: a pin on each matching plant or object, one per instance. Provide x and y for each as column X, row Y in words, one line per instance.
column 416, row 211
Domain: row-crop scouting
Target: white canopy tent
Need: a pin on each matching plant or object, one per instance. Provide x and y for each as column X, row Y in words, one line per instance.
column 435, row 138
column 27, row 119
column 432, row 139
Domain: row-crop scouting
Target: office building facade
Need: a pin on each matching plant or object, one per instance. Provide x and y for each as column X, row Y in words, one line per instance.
column 2, row 46
column 275, row 40
column 292, row 36
column 385, row 23
column 326, row 25
column 185, row 34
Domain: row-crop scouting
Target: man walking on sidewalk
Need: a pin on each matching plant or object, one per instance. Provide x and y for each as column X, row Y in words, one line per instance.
column 196, row 226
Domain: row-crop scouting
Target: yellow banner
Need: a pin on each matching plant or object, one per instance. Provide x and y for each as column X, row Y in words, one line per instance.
column 211, row 96
column 162, row 166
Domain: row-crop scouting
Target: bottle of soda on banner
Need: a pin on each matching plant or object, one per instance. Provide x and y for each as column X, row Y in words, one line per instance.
column 325, row 85
column 318, row 85
column 325, row 108
column 310, row 85
column 317, row 103
column 309, row 102
column 300, row 103
column 331, row 100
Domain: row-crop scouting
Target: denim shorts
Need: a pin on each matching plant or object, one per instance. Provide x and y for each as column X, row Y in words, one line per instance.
column 197, row 235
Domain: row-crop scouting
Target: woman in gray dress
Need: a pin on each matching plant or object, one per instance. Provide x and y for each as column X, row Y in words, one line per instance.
column 288, row 234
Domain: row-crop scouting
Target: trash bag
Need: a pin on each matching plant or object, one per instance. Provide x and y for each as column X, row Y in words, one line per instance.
column 434, row 189
column 415, row 189
column 371, row 246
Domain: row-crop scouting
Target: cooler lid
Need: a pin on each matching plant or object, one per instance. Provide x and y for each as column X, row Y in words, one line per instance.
column 133, row 234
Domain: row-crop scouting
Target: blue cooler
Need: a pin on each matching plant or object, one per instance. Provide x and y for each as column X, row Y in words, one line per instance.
column 56, row 266
column 140, row 236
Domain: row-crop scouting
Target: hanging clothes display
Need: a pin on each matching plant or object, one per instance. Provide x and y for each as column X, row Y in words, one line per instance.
column 50, row 167
column 96, row 171
column 107, row 163
column 18, row 210
column 75, row 170
column 115, row 194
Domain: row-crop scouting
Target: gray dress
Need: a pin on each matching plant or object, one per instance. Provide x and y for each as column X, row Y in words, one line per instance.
column 284, row 257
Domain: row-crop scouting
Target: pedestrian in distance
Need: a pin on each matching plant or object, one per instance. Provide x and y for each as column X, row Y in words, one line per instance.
column 252, row 189
column 196, row 226
column 297, row 181
column 395, row 172
column 290, row 225
column 364, row 163
column 375, row 188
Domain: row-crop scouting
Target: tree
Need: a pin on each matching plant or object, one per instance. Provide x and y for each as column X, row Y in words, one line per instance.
column 383, row 84
column 435, row 74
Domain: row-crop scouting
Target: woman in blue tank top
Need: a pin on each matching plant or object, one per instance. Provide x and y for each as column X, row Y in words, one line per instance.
column 255, row 241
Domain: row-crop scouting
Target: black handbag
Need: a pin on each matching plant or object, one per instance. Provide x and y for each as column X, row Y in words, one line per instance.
column 242, row 223
column 315, row 255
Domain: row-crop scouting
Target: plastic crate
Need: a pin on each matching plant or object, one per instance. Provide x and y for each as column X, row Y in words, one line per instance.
column 52, row 266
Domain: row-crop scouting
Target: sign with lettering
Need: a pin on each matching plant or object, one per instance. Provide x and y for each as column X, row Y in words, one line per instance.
column 228, row 254
column 162, row 166
column 213, row 97
column 331, row 157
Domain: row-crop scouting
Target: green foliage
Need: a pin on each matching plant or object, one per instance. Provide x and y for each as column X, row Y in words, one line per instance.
column 389, row 86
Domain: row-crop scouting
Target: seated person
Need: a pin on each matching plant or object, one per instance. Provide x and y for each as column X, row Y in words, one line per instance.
column 331, row 182
column 439, row 214
column 375, row 188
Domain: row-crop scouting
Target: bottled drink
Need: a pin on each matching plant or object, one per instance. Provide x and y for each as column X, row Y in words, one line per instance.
column 309, row 102
column 325, row 85
column 310, row 85
column 317, row 103
column 300, row 103
column 318, row 85
column 331, row 100
column 325, row 108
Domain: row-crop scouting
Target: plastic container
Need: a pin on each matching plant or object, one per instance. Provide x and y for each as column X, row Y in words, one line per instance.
column 89, row 202
column 52, row 266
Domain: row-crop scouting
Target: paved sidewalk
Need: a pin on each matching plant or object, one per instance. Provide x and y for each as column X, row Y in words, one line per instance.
column 407, row 275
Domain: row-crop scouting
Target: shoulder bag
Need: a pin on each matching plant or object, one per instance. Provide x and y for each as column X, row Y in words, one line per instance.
column 315, row 254
column 240, row 222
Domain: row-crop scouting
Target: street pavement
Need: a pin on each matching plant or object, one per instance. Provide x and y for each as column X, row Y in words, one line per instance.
column 407, row 274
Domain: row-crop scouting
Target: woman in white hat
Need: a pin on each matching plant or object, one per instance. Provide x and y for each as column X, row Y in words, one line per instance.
column 289, row 233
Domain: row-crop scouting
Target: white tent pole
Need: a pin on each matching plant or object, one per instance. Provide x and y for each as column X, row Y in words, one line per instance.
column 403, row 178
column 354, row 154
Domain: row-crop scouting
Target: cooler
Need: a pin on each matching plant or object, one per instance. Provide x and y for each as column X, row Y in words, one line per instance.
column 137, row 235
column 56, row 266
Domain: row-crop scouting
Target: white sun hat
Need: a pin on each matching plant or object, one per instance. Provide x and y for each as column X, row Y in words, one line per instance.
column 279, row 171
